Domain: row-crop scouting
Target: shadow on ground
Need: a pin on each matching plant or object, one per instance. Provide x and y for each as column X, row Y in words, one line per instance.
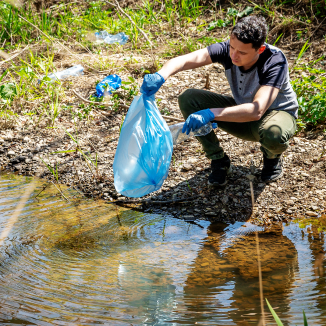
column 229, row 204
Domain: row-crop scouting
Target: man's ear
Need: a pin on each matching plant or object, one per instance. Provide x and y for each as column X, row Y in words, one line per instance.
column 261, row 49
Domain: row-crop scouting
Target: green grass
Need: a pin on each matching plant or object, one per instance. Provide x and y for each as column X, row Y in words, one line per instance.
column 174, row 27
column 278, row 320
column 310, row 87
column 73, row 21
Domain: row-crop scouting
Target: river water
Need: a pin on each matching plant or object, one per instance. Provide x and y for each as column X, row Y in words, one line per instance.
column 90, row 263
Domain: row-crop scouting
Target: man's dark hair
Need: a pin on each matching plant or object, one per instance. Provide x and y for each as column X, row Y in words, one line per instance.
column 251, row 29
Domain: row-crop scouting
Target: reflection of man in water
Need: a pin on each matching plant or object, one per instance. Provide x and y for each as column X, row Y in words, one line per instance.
column 228, row 279
column 316, row 240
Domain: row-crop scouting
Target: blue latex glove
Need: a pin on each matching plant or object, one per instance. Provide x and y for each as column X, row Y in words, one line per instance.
column 151, row 84
column 197, row 120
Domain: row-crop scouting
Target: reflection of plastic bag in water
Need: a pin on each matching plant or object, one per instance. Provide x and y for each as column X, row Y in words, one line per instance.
column 144, row 151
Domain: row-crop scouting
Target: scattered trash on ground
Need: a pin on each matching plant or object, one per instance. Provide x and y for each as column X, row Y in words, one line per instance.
column 121, row 38
column 107, row 85
column 72, row 71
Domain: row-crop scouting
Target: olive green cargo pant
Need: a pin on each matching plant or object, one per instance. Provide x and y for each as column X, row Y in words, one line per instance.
column 272, row 131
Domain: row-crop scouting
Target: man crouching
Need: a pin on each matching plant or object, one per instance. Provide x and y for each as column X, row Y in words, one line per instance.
column 263, row 108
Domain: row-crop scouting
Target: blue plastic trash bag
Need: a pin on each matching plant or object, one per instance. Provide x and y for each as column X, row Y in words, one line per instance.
column 107, row 85
column 144, row 151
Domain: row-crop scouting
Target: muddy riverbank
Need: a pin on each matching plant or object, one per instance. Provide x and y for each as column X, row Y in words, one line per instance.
column 28, row 147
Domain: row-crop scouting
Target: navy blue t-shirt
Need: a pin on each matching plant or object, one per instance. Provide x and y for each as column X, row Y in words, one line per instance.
column 271, row 69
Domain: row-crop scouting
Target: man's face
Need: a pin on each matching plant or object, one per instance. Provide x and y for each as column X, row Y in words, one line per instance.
column 243, row 55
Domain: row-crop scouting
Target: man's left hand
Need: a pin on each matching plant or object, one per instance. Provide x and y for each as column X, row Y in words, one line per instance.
column 197, row 120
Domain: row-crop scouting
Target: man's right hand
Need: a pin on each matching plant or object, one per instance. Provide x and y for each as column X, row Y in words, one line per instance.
column 151, row 84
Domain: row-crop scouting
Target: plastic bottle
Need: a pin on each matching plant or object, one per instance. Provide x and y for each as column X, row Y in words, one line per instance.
column 121, row 38
column 72, row 71
column 101, row 35
column 178, row 136
column 108, row 84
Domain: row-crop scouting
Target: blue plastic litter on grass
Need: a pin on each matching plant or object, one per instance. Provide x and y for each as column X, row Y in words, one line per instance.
column 107, row 85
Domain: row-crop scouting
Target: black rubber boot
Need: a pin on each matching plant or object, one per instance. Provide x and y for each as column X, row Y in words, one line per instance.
column 220, row 169
column 272, row 169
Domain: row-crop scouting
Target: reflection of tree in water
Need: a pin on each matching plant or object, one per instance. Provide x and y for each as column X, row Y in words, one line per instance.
column 317, row 246
column 237, row 265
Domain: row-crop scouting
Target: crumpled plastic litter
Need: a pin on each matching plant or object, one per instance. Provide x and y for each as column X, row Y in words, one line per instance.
column 143, row 156
column 76, row 70
column 107, row 85
column 121, row 38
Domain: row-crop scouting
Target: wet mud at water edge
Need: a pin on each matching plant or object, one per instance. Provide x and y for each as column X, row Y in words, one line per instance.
column 89, row 263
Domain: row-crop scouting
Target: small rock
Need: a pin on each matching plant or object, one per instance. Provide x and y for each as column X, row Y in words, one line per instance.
column 189, row 217
column 314, row 208
column 8, row 137
column 17, row 167
column 11, row 153
column 210, row 214
column 36, row 149
column 289, row 211
column 186, row 167
column 26, row 139
column 312, row 214
column 15, row 160
column 224, row 199
column 305, row 174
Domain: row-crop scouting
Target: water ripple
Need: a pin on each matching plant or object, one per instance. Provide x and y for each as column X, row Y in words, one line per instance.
column 88, row 263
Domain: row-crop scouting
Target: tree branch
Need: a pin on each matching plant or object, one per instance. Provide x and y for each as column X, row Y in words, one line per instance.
column 156, row 202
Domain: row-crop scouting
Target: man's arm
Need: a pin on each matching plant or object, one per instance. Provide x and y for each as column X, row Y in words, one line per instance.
column 191, row 60
column 263, row 99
